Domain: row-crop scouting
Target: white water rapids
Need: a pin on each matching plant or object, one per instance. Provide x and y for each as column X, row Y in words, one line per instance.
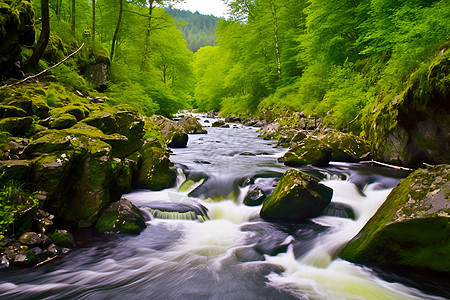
column 232, row 255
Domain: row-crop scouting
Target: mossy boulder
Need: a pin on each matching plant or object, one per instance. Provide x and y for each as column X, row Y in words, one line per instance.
column 62, row 238
column 80, row 112
column 191, row 125
column 346, row 147
column 309, row 151
column 174, row 135
column 7, row 111
column 297, row 197
column 411, row 229
column 412, row 127
column 154, row 167
column 123, row 217
column 18, row 170
column 48, row 141
column 102, row 120
column 17, row 126
column 32, row 105
column 64, row 121
column 51, row 171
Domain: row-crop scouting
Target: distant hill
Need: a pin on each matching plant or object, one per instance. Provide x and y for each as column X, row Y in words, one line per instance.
column 199, row 30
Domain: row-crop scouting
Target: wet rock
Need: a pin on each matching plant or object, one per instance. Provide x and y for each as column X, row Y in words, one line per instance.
column 191, row 125
column 174, row 135
column 53, row 250
column 218, row 123
column 123, row 217
column 309, row 151
column 17, row 126
column 340, row 210
column 233, row 119
column 410, row 230
column 296, row 198
column 255, row 197
column 270, row 132
column 63, row 238
column 154, row 167
column 30, row 239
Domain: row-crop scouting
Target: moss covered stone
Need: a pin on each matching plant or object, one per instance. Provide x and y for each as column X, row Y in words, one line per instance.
column 296, row 198
column 345, row 146
column 191, row 125
column 17, row 126
column 411, row 229
column 309, row 151
column 154, row 167
column 174, row 135
column 64, row 121
column 7, row 111
column 412, row 127
column 47, row 142
column 62, row 238
column 123, row 217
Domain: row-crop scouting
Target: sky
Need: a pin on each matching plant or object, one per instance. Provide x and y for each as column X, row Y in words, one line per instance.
column 206, row 7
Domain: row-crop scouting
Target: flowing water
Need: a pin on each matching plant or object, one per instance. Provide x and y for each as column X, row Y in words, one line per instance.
column 228, row 252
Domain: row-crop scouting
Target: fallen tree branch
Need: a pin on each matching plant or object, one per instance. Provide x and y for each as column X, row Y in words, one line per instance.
column 386, row 165
column 42, row 72
column 47, row 260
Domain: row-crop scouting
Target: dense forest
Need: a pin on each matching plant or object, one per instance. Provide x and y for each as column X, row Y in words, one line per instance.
column 325, row 58
column 273, row 57
column 198, row 30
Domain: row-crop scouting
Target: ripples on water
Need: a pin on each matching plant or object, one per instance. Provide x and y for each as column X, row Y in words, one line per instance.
column 232, row 255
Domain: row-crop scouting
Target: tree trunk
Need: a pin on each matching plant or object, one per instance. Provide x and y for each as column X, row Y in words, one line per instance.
column 44, row 36
column 275, row 36
column 147, row 35
column 116, row 32
column 93, row 21
column 73, row 17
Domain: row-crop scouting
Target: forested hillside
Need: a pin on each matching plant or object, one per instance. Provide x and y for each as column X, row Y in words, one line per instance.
column 198, row 30
column 147, row 62
column 330, row 59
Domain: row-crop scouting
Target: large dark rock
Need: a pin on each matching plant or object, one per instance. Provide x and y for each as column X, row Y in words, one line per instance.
column 154, row 167
column 412, row 128
column 411, row 229
column 63, row 122
column 174, row 135
column 191, row 125
column 255, row 197
column 17, row 126
column 345, row 147
column 296, row 198
column 309, row 151
column 121, row 216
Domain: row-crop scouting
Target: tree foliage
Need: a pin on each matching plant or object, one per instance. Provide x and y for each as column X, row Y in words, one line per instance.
column 327, row 58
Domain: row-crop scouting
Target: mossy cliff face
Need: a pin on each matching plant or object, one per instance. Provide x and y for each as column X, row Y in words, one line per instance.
column 16, row 29
column 413, row 127
column 79, row 156
column 412, row 228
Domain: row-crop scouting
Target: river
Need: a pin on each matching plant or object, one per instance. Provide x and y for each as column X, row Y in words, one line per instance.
column 232, row 254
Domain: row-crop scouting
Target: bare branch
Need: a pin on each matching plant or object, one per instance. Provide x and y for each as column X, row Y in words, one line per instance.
column 386, row 165
column 42, row 72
